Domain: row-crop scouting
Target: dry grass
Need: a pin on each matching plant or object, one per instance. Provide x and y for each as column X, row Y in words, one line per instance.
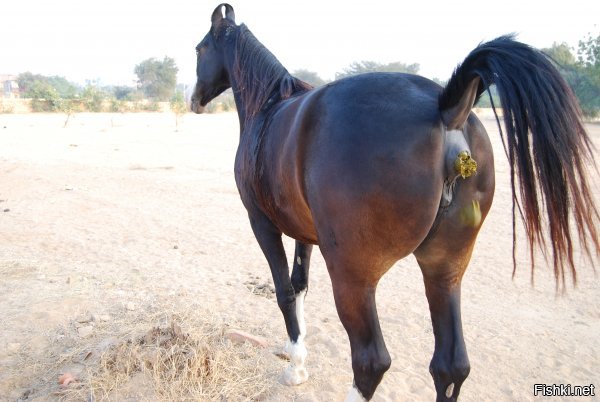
column 165, row 363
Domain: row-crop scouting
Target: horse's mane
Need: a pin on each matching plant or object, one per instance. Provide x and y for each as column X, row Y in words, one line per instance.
column 260, row 76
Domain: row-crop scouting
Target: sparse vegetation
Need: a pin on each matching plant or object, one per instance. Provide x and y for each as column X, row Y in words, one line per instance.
column 6, row 107
column 178, row 107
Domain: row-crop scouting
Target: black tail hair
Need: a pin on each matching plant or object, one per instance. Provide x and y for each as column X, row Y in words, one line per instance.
column 546, row 143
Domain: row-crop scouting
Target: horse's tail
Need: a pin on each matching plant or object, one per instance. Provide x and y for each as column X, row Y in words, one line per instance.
column 547, row 147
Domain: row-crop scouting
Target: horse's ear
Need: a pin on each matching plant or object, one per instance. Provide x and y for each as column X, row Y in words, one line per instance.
column 229, row 13
column 217, row 15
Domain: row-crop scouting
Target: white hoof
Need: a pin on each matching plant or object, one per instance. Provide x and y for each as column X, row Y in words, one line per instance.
column 294, row 375
column 354, row 395
column 296, row 372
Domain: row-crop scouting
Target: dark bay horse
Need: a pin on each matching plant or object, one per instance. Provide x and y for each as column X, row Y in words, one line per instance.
column 375, row 167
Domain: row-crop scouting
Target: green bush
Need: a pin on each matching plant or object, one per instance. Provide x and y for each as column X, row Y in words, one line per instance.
column 44, row 97
column 118, row 106
column 93, row 98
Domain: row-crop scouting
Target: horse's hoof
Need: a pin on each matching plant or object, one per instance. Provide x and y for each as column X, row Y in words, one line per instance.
column 294, row 375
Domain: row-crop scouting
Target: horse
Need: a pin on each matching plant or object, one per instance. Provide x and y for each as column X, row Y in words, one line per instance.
column 378, row 166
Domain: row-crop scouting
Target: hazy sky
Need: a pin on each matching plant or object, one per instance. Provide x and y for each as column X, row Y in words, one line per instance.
column 105, row 39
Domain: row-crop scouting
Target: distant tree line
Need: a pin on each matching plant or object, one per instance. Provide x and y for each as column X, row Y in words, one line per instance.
column 157, row 83
column 360, row 67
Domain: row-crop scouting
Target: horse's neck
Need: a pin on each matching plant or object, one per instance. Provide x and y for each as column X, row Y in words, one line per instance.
column 255, row 75
column 239, row 104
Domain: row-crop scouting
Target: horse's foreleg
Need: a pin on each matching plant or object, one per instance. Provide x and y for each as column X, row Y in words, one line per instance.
column 355, row 303
column 449, row 366
column 290, row 303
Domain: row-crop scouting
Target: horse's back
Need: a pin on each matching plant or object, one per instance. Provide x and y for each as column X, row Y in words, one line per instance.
column 409, row 96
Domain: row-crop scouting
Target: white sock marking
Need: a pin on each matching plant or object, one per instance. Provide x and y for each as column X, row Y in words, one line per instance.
column 300, row 313
column 296, row 372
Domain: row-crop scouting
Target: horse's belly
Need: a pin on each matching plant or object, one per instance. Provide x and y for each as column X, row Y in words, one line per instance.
column 294, row 219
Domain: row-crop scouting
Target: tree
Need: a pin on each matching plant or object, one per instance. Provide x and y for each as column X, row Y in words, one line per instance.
column 589, row 61
column 583, row 73
column 29, row 83
column 68, row 107
column 588, row 57
column 178, row 106
column 93, row 98
column 157, row 79
column 360, row 67
column 560, row 53
column 589, row 51
column 309, row 77
column 122, row 92
column 44, row 97
column 65, row 89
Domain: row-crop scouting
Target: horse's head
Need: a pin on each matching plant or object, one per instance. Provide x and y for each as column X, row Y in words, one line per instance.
column 212, row 77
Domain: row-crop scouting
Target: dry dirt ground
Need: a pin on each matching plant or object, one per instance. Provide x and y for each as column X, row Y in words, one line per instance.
column 119, row 232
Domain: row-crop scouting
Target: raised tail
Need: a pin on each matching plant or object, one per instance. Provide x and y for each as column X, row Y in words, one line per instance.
column 546, row 143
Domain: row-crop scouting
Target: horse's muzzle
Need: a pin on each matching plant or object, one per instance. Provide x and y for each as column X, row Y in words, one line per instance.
column 195, row 106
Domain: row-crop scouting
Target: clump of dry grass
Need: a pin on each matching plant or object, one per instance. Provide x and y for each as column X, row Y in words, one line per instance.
column 164, row 363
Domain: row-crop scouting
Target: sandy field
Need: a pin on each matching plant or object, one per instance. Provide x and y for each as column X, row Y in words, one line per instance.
column 121, row 232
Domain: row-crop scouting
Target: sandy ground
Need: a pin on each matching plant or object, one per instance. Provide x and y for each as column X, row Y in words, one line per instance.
column 123, row 219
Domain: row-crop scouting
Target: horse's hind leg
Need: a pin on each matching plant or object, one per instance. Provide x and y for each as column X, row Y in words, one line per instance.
column 289, row 298
column 354, row 295
column 443, row 259
column 449, row 366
